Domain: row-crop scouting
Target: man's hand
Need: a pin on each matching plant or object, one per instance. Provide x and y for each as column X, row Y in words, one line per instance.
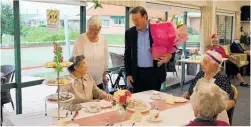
column 105, row 80
column 164, row 59
column 130, row 81
column 247, row 52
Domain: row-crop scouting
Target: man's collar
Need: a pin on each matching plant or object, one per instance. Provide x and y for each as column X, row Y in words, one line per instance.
column 147, row 28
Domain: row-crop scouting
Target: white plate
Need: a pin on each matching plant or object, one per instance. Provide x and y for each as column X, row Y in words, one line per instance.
column 87, row 107
column 60, row 94
column 105, row 104
column 153, row 120
column 148, row 107
column 180, row 100
column 155, row 97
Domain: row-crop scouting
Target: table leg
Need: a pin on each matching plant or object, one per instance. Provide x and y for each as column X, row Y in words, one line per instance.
column 182, row 75
column 1, row 115
column 45, row 108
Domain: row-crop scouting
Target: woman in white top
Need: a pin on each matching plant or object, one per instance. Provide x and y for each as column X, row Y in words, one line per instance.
column 94, row 47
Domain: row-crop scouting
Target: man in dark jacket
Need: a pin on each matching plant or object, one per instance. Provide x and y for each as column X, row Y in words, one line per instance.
column 141, row 70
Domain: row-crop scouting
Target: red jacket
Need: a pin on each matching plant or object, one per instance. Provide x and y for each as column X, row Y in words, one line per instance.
column 217, row 123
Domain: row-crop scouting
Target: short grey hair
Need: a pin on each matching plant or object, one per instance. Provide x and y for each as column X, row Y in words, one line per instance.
column 209, row 100
column 94, row 20
column 76, row 62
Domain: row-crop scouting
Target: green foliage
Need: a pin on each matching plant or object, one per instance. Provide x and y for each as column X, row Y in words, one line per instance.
column 40, row 34
column 190, row 29
column 7, row 19
column 42, row 26
column 245, row 40
column 97, row 4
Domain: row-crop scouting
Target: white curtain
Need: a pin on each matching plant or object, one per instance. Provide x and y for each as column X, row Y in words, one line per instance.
column 237, row 32
column 206, row 27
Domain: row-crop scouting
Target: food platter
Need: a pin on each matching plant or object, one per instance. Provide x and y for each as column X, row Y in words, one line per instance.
column 64, row 97
column 53, row 64
column 64, row 80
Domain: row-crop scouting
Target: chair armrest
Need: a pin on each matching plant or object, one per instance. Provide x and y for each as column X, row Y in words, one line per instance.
column 241, row 59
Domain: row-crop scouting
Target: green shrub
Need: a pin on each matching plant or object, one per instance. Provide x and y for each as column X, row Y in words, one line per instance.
column 40, row 34
column 42, row 26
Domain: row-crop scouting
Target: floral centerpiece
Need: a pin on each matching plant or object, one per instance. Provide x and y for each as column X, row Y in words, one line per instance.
column 122, row 98
column 166, row 36
column 195, row 52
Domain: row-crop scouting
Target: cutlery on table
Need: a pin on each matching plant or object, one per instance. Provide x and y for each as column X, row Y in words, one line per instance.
column 75, row 115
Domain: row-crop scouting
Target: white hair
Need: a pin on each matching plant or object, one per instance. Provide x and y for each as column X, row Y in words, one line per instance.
column 208, row 99
column 94, row 20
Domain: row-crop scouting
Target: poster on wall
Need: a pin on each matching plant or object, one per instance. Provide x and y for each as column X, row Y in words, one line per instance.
column 53, row 20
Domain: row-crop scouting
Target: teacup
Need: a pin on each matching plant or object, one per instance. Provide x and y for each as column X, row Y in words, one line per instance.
column 154, row 114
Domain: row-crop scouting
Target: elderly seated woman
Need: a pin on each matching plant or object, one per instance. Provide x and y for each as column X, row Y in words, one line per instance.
column 211, row 65
column 84, row 88
column 207, row 103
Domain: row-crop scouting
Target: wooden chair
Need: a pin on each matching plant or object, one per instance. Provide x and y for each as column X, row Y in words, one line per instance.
column 230, row 112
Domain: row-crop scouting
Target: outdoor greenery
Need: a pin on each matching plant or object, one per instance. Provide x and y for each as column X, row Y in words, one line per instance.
column 40, row 34
column 7, row 19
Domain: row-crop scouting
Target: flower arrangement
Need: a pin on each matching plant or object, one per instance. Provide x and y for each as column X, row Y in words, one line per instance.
column 123, row 98
column 166, row 36
column 195, row 51
column 58, row 58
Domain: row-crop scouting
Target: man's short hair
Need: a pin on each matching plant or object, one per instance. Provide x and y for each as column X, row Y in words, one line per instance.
column 140, row 10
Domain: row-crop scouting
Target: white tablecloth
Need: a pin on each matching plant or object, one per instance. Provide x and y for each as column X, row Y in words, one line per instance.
column 175, row 116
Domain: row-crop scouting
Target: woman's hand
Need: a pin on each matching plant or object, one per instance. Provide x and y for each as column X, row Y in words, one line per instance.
column 232, row 57
column 107, row 97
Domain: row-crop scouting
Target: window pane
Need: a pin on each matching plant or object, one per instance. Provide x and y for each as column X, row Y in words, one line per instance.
column 7, row 33
column 193, row 28
column 115, row 32
column 36, row 41
column 229, row 20
column 224, row 29
column 220, row 19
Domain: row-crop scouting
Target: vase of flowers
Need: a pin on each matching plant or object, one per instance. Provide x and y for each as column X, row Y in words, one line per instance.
column 195, row 53
column 122, row 99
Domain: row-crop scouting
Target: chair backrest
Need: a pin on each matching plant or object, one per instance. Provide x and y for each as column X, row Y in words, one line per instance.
column 8, row 71
column 117, row 60
column 236, row 93
column 226, row 48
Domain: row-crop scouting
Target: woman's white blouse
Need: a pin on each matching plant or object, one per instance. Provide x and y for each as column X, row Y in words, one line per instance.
column 96, row 55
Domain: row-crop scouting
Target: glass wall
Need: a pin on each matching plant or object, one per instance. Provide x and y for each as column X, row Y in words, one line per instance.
column 193, row 28
column 36, row 40
column 224, row 29
column 7, row 33
column 113, row 24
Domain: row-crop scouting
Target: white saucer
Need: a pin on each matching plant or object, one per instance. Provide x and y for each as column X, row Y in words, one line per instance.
column 153, row 120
